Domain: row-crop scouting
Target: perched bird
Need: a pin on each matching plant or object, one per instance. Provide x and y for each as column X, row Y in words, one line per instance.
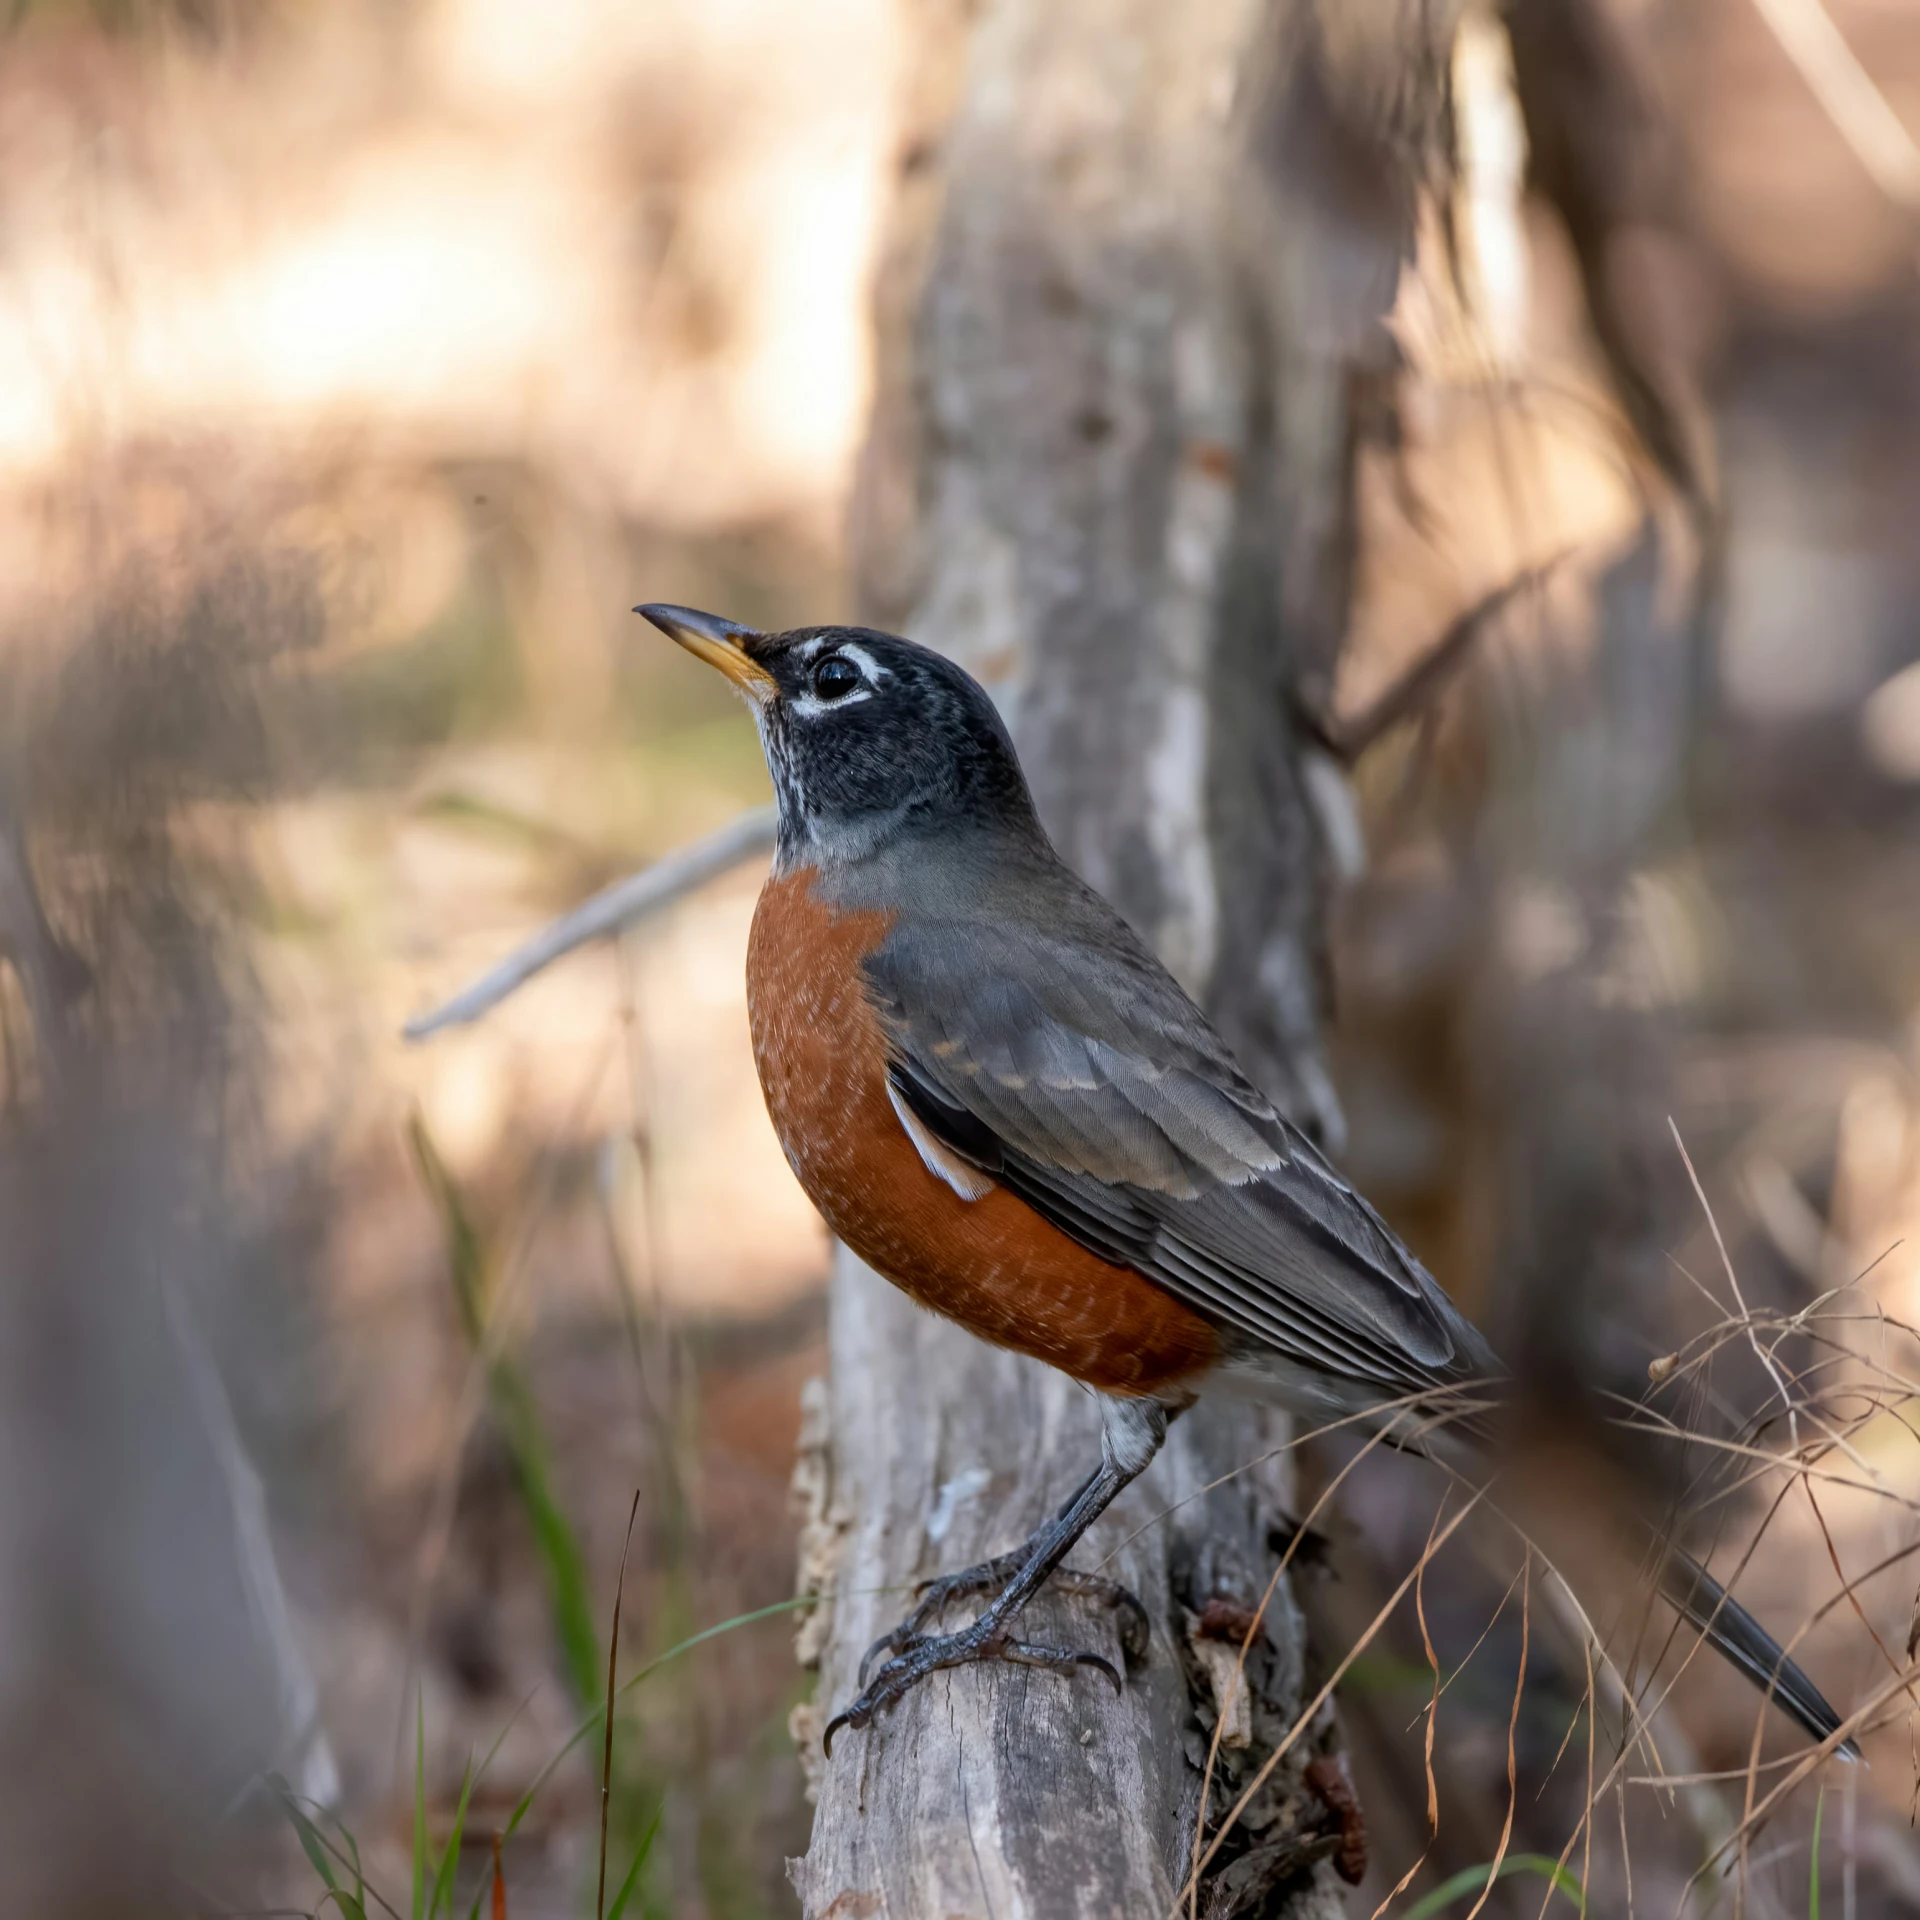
column 999, row 1099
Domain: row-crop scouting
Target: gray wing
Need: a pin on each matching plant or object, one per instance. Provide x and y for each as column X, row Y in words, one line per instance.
column 1080, row 1076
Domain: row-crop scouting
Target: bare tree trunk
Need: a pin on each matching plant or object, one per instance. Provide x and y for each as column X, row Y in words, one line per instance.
column 1133, row 300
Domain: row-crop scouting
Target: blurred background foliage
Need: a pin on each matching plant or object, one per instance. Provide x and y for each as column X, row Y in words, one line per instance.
column 360, row 365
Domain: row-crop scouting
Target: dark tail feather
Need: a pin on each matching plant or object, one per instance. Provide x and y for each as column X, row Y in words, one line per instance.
column 1740, row 1639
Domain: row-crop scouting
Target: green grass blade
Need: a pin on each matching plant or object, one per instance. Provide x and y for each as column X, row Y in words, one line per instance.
column 705, row 1634
column 466, row 1253
column 1472, row 1879
column 517, row 1414
column 486, row 1760
column 524, row 1804
column 442, row 1894
column 322, row 1853
column 419, row 1808
column 632, row 1880
column 564, row 1565
column 311, row 1844
column 359, row 1878
column 480, row 1893
column 1813, row 1870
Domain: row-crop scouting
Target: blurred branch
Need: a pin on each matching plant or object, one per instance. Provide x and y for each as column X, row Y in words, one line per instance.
column 309, row 1752
column 617, row 906
column 1414, row 692
column 1846, row 92
column 51, row 974
column 1603, row 153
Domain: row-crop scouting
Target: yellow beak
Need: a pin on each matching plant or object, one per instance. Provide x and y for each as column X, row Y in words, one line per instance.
column 720, row 643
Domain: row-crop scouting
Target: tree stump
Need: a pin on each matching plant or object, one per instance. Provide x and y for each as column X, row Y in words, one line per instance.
column 1129, row 309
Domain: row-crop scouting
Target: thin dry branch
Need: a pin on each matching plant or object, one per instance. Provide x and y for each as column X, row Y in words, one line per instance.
column 1733, row 1280
column 1458, row 1402
column 1743, row 1326
column 1433, row 1705
column 1513, row 1723
column 1857, row 1722
column 1413, row 693
column 1846, row 92
column 613, row 908
column 1302, row 1531
column 1796, row 1767
column 1307, row 1713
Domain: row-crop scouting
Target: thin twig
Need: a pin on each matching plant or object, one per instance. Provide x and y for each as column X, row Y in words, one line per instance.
column 1739, row 1299
column 1855, row 1722
column 613, row 1656
column 1593, row 1726
column 1846, row 92
column 1414, row 691
column 614, row 907
column 1513, row 1723
column 1416, row 1401
column 1466, row 1660
column 1305, row 1719
column 1301, row 1531
column 1433, row 1660
column 1800, row 1764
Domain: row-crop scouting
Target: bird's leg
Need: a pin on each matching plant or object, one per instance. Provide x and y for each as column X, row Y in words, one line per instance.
column 990, row 1577
column 1132, row 1434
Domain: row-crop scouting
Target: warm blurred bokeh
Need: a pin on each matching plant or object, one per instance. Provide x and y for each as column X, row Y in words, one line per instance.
column 360, row 365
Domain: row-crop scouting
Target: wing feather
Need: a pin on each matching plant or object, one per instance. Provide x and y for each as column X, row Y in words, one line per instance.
column 1081, row 1077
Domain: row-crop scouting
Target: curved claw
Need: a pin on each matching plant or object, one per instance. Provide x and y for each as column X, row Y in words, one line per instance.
column 1058, row 1660
column 1134, row 1627
column 889, row 1642
column 1105, row 1666
column 1136, row 1630
column 854, row 1717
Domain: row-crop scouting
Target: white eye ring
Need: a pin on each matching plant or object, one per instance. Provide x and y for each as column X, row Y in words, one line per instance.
column 871, row 674
column 805, row 707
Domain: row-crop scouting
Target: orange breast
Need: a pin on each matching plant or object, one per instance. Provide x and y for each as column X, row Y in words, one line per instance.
column 992, row 1264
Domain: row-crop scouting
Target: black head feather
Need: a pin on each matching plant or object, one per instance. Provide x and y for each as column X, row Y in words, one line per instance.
column 871, row 738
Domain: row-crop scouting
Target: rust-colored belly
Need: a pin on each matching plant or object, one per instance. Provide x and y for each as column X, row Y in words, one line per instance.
column 992, row 1264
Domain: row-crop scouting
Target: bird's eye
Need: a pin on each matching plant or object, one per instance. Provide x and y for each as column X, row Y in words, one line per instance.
column 834, row 678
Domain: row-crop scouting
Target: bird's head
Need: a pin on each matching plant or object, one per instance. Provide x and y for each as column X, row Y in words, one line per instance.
column 869, row 738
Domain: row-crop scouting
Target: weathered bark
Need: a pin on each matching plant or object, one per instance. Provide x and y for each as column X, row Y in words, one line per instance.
column 1001, row 1790
column 1132, row 302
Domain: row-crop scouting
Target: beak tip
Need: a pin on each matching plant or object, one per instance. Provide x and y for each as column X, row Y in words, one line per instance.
column 720, row 643
column 675, row 621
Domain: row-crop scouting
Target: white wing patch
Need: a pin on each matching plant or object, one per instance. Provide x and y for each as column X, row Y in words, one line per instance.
column 968, row 1182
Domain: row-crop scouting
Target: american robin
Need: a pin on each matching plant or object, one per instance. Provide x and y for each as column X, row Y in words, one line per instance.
column 999, row 1098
